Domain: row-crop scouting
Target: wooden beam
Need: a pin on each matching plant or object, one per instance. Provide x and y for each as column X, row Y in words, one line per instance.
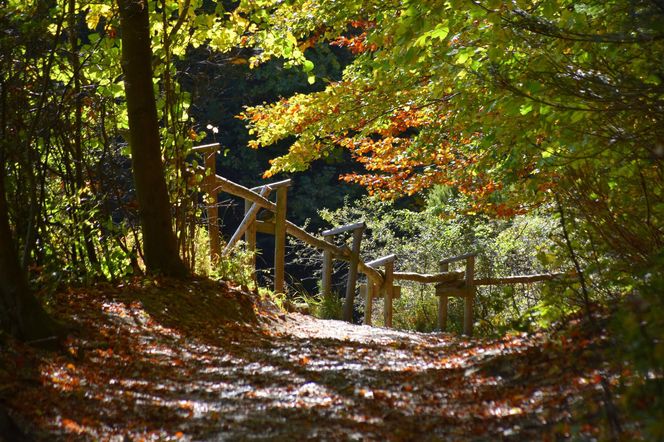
column 326, row 277
column 229, row 186
column 275, row 185
column 346, row 228
column 266, row 227
column 457, row 258
column 206, row 147
column 352, row 274
column 210, row 159
column 442, row 301
column 280, row 240
column 470, row 296
column 250, row 239
column 249, row 218
column 523, row 279
column 389, row 293
column 381, row 261
column 427, row 278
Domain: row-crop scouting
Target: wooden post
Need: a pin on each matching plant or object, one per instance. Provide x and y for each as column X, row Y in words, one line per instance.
column 389, row 292
column 326, row 281
column 250, row 239
column 280, row 239
column 212, row 209
column 368, row 301
column 442, row 302
column 247, row 221
column 469, row 297
column 352, row 273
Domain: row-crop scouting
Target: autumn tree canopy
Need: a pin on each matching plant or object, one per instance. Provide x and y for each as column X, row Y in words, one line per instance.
column 510, row 103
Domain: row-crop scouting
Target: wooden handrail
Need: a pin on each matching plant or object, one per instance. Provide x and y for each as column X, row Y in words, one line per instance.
column 206, row 147
column 521, row 279
column 382, row 261
column 249, row 217
column 275, row 185
column 429, row 278
column 457, row 258
column 346, row 228
column 243, row 192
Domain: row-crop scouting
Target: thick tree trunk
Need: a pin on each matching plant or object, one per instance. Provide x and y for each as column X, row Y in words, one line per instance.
column 159, row 244
column 21, row 315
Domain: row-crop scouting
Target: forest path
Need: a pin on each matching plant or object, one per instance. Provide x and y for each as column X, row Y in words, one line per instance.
column 152, row 363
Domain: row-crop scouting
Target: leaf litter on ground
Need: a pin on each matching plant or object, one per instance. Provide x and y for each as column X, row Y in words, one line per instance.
column 203, row 360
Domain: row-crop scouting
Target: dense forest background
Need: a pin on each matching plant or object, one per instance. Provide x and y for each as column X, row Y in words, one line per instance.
column 529, row 132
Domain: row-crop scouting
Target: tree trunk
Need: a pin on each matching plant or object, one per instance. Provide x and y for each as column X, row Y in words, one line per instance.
column 21, row 315
column 159, row 244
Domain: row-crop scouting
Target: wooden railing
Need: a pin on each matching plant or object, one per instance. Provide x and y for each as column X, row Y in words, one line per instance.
column 380, row 273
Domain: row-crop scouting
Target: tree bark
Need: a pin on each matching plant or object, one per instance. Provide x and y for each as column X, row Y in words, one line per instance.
column 21, row 314
column 159, row 243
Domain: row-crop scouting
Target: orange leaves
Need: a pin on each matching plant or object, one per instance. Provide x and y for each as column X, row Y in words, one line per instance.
column 356, row 44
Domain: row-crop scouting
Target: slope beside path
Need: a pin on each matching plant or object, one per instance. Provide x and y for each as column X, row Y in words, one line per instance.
column 206, row 361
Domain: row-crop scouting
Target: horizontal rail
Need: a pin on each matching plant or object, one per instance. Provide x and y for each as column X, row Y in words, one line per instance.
column 382, row 261
column 299, row 233
column 206, row 147
column 249, row 217
column 275, row 185
column 346, row 228
column 521, row 279
column 457, row 258
column 427, row 278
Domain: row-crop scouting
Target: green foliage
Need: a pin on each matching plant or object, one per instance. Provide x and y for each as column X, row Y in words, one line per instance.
column 329, row 307
column 237, row 266
column 421, row 238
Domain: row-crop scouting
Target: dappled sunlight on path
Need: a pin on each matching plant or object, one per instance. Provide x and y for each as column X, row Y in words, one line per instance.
column 145, row 367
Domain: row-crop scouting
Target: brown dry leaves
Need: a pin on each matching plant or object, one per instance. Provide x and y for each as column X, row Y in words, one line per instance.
column 163, row 361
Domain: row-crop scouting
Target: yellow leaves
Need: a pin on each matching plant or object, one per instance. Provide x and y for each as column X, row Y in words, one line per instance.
column 95, row 13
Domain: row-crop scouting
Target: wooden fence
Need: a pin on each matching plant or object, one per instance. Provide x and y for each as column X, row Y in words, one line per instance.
column 380, row 273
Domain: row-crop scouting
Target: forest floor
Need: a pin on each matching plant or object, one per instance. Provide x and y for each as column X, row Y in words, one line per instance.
column 198, row 360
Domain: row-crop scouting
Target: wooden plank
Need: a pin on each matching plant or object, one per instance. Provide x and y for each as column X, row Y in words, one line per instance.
column 326, row 277
column 275, row 185
column 522, row 279
column 229, row 186
column 212, row 209
column 381, row 261
column 370, row 289
column 442, row 302
column 352, row 274
column 249, row 217
column 346, row 228
column 429, row 278
column 389, row 293
column 470, row 297
column 280, row 240
column 457, row 258
column 265, row 227
column 395, row 295
column 451, row 291
column 206, row 147
column 250, row 239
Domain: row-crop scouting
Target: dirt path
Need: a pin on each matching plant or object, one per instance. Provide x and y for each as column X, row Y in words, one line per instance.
column 142, row 370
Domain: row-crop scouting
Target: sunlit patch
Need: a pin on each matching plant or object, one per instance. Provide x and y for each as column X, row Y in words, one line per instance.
column 132, row 376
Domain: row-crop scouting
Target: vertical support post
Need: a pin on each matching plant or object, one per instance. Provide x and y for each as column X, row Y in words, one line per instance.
column 250, row 239
column 389, row 292
column 368, row 301
column 442, row 302
column 280, row 239
column 469, row 297
column 212, row 209
column 352, row 274
column 326, row 281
